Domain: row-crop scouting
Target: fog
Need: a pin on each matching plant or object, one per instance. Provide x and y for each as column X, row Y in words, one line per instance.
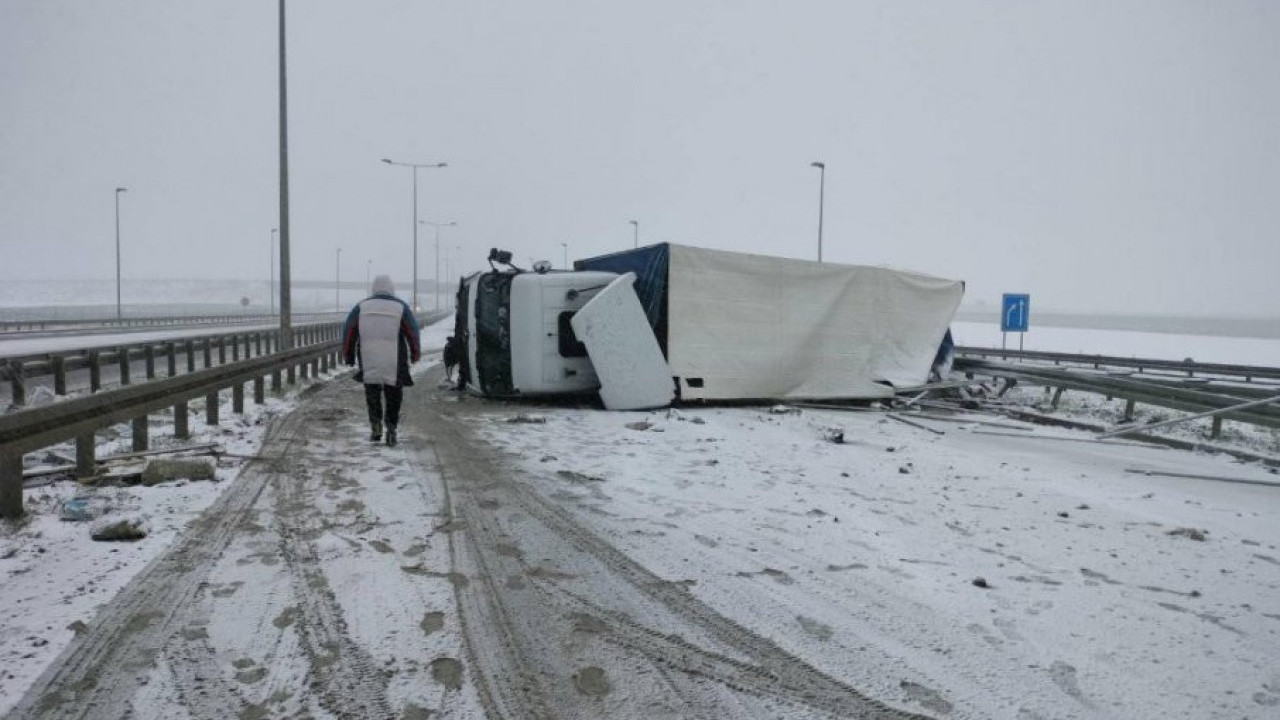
column 1103, row 156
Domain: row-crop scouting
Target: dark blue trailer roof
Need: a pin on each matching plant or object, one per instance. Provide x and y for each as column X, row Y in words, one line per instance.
column 650, row 264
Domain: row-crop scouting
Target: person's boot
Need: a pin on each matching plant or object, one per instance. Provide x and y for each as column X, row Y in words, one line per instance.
column 391, row 436
column 376, row 434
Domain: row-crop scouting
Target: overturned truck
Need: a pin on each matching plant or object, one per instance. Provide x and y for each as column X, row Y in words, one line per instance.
column 673, row 322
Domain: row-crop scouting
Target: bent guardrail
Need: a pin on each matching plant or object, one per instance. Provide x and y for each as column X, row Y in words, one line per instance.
column 1247, row 373
column 1133, row 391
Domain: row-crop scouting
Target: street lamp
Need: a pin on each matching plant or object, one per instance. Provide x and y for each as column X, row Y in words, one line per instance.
column 822, row 189
column 636, row 237
column 368, row 264
column 337, row 281
column 566, row 254
column 273, row 269
column 415, row 167
column 285, row 339
column 118, row 191
column 437, row 226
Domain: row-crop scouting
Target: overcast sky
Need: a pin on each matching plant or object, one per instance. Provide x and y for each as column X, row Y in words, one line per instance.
column 1110, row 155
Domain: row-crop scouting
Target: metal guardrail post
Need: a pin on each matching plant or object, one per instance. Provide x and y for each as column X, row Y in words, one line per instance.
column 257, row 339
column 1215, row 432
column 259, row 390
column 95, row 371
column 10, row 485
column 237, row 398
column 208, row 353
column 211, row 408
column 171, row 354
column 150, row 353
column 122, row 360
column 222, row 351
column 140, row 433
column 191, row 356
column 86, row 463
column 181, row 428
column 235, row 348
column 19, row 383
column 59, row 375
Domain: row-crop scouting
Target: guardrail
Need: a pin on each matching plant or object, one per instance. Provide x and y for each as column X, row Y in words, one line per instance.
column 18, row 370
column 1247, row 373
column 78, row 418
column 1135, row 391
column 17, row 326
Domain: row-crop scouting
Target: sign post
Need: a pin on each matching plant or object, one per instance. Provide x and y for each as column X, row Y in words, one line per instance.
column 1015, row 316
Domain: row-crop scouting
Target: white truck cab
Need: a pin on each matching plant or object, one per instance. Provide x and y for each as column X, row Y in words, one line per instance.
column 518, row 336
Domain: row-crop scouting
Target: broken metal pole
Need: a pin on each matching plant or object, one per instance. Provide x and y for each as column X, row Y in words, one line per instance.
column 1176, row 421
column 905, row 421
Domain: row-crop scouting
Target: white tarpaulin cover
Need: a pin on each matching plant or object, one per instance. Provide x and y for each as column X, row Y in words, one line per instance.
column 749, row 326
column 633, row 375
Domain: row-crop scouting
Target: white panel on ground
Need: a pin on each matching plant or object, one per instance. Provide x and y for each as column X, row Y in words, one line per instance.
column 633, row 374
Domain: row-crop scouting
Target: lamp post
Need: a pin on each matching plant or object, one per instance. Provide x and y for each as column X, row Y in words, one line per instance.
column 636, row 235
column 437, row 226
column 337, row 281
column 368, row 289
column 285, row 341
column 273, row 269
column 566, row 254
column 822, row 188
column 415, row 167
column 118, row 191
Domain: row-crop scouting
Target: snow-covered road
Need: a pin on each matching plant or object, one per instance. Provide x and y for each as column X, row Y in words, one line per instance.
column 513, row 560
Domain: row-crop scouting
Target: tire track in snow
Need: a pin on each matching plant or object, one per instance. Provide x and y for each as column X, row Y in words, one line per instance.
column 99, row 673
column 343, row 676
column 516, row 640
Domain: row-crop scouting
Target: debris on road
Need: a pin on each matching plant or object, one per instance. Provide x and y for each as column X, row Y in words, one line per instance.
column 124, row 530
column 1190, row 533
column 79, row 509
column 165, row 470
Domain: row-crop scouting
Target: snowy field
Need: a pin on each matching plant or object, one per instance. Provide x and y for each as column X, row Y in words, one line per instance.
column 1160, row 346
column 989, row 571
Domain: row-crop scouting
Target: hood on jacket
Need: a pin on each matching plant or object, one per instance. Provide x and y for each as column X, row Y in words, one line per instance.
column 382, row 285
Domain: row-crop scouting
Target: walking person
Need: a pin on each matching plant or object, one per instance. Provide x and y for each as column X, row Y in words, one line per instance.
column 381, row 335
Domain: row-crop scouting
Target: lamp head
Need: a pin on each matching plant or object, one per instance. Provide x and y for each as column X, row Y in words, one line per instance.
column 387, row 161
column 122, row 189
column 818, row 165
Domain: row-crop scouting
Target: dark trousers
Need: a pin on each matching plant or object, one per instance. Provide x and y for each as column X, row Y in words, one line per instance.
column 373, row 398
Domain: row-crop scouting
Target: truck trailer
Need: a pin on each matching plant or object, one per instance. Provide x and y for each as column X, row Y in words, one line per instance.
column 725, row 326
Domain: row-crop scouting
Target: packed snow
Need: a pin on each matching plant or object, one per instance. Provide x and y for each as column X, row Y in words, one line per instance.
column 983, row 568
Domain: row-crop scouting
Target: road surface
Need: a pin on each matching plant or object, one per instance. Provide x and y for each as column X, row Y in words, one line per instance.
column 342, row 579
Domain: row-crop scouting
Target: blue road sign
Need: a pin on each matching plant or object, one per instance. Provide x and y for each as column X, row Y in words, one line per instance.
column 1015, row 313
